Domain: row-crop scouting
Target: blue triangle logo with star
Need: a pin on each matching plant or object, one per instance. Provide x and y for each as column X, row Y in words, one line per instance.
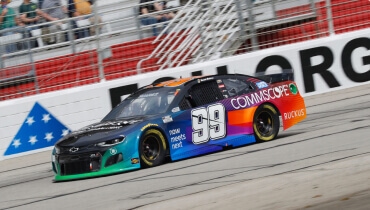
column 40, row 129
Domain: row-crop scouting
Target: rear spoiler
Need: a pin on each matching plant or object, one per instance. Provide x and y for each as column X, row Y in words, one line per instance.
column 279, row 76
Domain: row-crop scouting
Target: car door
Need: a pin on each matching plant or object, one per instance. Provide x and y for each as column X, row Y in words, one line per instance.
column 201, row 121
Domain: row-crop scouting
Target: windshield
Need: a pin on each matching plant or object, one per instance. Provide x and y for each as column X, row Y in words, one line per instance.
column 145, row 102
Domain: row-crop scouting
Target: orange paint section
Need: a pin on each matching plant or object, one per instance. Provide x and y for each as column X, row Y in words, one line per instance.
column 290, row 105
column 241, row 116
column 175, row 82
column 292, row 111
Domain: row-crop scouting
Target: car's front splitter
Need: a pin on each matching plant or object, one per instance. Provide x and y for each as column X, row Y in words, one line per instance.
column 113, row 169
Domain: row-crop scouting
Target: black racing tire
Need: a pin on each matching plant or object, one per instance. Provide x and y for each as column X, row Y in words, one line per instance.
column 152, row 148
column 266, row 123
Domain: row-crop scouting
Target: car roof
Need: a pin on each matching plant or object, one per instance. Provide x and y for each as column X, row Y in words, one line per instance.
column 183, row 81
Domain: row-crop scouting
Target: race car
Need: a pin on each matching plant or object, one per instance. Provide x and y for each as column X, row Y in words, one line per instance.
column 180, row 118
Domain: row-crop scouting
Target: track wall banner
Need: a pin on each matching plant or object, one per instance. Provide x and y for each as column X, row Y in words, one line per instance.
column 321, row 65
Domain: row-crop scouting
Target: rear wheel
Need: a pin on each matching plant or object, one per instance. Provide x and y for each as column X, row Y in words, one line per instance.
column 152, row 148
column 266, row 123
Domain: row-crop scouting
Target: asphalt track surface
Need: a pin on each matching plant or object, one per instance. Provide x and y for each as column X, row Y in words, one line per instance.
column 321, row 163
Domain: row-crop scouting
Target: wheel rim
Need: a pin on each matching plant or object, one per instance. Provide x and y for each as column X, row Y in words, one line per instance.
column 151, row 148
column 265, row 124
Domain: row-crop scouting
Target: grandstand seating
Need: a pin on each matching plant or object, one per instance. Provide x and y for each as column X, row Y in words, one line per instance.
column 82, row 68
column 125, row 56
column 15, row 74
column 347, row 16
column 79, row 69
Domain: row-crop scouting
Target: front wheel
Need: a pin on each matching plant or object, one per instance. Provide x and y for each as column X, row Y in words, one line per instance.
column 266, row 123
column 152, row 148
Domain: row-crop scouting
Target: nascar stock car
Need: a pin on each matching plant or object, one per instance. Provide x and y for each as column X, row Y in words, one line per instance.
column 179, row 119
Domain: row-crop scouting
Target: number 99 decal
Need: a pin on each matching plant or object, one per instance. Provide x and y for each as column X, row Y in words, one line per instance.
column 208, row 123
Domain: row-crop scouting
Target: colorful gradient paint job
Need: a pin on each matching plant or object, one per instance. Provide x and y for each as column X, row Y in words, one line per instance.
column 284, row 96
column 239, row 113
column 292, row 108
column 197, row 131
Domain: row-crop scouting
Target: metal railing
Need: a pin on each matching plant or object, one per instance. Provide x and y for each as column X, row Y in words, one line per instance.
column 214, row 29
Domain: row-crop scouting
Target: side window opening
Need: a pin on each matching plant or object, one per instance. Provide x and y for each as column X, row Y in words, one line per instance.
column 205, row 93
column 237, row 87
column 186, row 103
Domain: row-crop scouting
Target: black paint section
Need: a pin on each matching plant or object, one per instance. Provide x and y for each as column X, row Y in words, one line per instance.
column 272, row 60
column 308, row 70
column 196, row 73
column 221, row 70
column 116, row 93
column 347, row 61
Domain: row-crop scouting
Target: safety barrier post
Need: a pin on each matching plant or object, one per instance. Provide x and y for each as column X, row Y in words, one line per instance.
column 32, row 62
column 252, row 30
column 329, row 17
column 98, row 49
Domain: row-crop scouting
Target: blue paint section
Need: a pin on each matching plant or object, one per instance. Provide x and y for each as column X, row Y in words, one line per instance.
column 179, row 135
column 262, row 85
column 191, row 150
column 39, row 130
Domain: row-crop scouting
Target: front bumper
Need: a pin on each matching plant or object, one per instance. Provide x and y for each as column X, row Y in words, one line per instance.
column 92, row 164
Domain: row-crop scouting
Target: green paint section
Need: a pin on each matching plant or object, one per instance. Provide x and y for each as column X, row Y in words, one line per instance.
column 114, row 169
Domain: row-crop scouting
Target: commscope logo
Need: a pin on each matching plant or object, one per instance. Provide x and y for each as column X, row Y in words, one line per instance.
column 261, row 96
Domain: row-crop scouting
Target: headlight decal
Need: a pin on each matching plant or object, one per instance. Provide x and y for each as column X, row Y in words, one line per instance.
column 112, row 142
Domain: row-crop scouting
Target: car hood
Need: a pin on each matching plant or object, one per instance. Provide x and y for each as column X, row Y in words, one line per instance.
column 99, row 132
